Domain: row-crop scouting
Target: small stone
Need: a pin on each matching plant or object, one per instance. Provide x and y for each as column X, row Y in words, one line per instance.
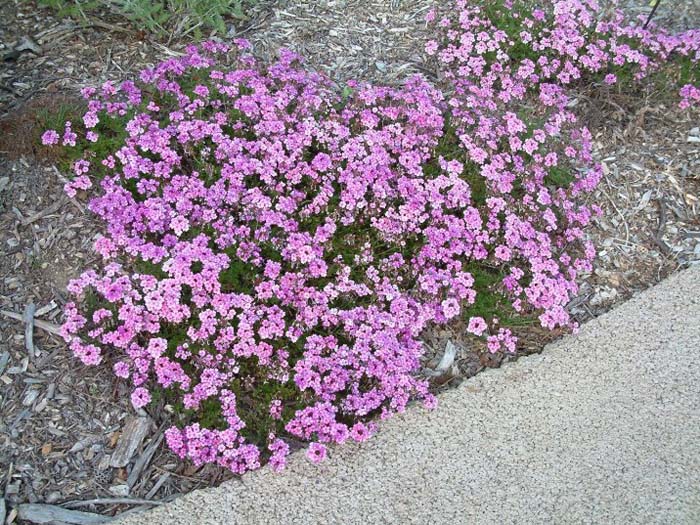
column 53, row 497
column 604, row 296
column 121, row 491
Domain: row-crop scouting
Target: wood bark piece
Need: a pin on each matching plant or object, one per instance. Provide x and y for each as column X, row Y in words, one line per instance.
column 46, row 211
column 154, row 490
column 134, row 432
column 143, row 461
column 38, row 513
column 110, row 501
column 28, row 319
column 4, row 359
column 44, row 325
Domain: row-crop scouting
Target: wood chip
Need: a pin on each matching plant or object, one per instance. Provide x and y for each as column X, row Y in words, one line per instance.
column 44, row 325
column 27, row 43
column 46, row 309
column 4, row 359
column 143, row 460
column 134, row 432
column 161, row 479
column 38, row 513
column 43, row 213
column 28, row 319
column 110, row 501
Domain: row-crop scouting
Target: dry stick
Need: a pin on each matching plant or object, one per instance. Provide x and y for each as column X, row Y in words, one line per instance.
column 78, row 206
column 662, row 227
column 653, row 10
column 28, row 319
column 161, row 480
column 110, row 27
column 110, row 501
column 44, row 325
column 56, row 29
column 622, row 216
column 46, row 211
column 143, row 460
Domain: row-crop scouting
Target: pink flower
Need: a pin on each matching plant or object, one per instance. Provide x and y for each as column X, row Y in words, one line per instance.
column 276, row 409
column 477, row 326
column 503, row 253
column 316, row 452
column 140, row 397
column 121, row 369
column 50, row 137
column 493, row 344
column 450, row 308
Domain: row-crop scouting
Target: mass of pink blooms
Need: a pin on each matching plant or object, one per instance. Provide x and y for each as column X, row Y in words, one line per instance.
column 273, row 250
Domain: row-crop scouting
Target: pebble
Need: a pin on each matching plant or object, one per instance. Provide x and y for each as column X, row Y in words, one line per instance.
column 120, row 490
column 603, row 296
column 53, row 497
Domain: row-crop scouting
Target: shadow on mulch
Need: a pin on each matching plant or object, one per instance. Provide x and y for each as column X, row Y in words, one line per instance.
column 21, row 130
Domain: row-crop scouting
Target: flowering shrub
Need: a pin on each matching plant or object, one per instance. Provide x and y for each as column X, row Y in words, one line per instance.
column 520, row 47
column 273, row 250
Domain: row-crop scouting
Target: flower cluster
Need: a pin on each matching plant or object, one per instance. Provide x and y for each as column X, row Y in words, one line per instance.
column 523, row 47
column 273, row 249
column 508, row 67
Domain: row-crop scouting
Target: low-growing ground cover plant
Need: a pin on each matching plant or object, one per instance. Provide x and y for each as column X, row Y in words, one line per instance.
column 274, row 249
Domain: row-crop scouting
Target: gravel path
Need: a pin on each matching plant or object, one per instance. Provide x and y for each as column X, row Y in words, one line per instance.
column 603, row 427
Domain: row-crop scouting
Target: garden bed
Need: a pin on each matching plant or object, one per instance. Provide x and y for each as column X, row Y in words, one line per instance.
column 61, row 422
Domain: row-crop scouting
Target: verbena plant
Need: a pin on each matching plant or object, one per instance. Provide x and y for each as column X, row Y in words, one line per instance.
column 273, row 249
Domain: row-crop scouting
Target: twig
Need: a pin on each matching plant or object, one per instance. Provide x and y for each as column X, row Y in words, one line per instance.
column 181, row 476
column 104, row 25
column 161, row 480
column 78, row 206
column 46, row 211
column 662, row 227
column 651, row 15
column 110, row 501
column 143, row 460
column 44, row 325
column 624, row 221
column 28, row 319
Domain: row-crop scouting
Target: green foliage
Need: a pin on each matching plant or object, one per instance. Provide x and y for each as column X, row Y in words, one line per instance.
column 163, row 18
column 490, row 301
column 72, row 8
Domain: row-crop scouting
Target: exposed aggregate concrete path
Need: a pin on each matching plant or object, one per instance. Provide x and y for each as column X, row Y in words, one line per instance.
column 602, row 427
